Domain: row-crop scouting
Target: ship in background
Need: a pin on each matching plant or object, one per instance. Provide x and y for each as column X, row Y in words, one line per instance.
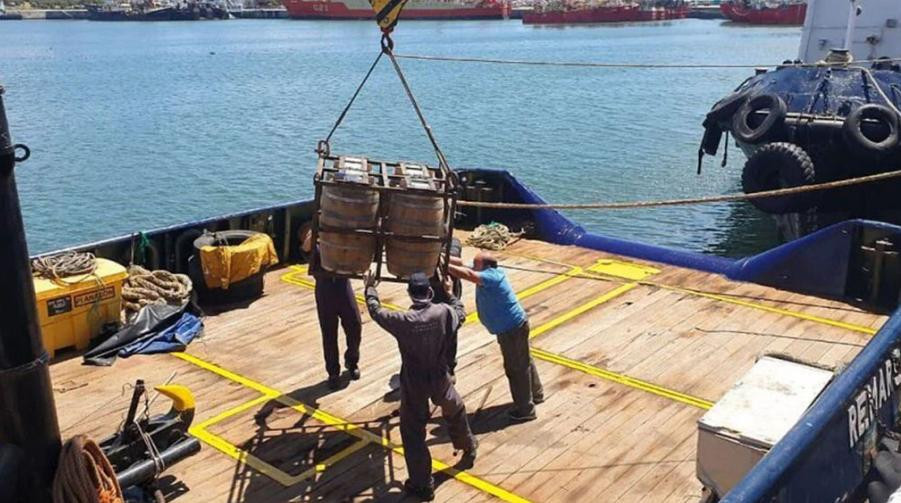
column 567, row 12
column 415, row 9
column 789, row 13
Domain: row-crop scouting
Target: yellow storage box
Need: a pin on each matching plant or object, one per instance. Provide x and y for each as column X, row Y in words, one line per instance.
column 74, row 311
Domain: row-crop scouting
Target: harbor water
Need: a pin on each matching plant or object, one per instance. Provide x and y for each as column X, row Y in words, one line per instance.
column 139, row 125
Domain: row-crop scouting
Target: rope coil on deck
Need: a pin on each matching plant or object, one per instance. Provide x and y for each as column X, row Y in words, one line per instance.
column 85, row 475
column 689, row 201
column 143, row 288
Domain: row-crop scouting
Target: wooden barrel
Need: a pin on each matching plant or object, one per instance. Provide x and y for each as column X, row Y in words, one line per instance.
column 346, row 253
column 417, row 215
column 348, row 206
column 406, row 257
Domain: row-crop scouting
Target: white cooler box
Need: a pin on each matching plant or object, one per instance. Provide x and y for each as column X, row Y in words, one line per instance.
column 752, row 416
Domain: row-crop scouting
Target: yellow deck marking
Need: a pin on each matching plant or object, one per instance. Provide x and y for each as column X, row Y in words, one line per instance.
column 625, row 270
column 341, row 424
column 298, row 278
column 598, row 273
column 763, row 307
column 622, row 379
column 280, row 476
column 569, row 315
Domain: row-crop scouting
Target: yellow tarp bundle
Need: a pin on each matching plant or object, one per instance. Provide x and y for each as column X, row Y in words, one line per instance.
column 224, row 265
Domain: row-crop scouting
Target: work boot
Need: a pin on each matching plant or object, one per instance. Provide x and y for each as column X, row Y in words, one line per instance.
column 468, row 459
column 538, row 399
column 422, row 493
column 354, row 374
column 334, row 383
column 518, row 417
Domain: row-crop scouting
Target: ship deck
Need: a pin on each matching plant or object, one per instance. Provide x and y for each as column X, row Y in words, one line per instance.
column 631, row 355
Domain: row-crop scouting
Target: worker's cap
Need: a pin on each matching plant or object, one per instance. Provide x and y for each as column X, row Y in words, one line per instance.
column 418, row 287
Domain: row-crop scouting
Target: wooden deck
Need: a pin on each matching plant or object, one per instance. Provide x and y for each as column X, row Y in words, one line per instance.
column 631, row 354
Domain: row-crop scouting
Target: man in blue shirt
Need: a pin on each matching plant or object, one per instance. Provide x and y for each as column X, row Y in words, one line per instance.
column 502, row 315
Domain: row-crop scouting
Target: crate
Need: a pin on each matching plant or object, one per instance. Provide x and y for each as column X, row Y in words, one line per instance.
column 74, row 310
column 387, row 179
column 752, row 417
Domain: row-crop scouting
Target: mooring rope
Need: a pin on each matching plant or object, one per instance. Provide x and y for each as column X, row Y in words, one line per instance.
column 588, row 64
column 56, row 267
column 684, row 202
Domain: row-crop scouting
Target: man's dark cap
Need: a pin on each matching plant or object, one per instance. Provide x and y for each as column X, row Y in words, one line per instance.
column 418, row 286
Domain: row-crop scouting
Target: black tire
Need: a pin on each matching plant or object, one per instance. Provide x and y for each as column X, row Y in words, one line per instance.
column 861, row 141
column 779, row 166
column 242, row 291
column 745, row 127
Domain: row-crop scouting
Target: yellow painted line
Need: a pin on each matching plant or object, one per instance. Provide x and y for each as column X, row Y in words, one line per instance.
column 280, row 476
column 234, row 411
column 625, row 270
column 622, row 379
column 597, row 272
column 343, row 425
column 298, row 278
column 763, row 307
column 569, row 315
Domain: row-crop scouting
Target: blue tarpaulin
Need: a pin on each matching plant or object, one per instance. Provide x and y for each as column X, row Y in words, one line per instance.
column 174, row 338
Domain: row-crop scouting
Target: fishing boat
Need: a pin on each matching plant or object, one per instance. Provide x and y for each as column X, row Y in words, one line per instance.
column 790, row 13
column 607, row 12
column 414, row 9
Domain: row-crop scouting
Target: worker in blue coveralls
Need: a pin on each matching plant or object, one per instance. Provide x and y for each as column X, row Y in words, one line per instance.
column 502, row 315
column 423, row 336
column 335, row 302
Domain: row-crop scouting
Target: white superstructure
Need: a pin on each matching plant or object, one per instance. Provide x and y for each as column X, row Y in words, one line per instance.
column 875, row 31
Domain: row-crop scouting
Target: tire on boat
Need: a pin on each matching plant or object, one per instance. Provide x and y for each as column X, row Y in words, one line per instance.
column 241, row 291
column 745, row 125
column 779, row 166
column 870, row 142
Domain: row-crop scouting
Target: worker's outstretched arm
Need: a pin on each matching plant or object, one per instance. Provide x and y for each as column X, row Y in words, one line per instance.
column 464, row 273
column 387, row 319
column 458, row 312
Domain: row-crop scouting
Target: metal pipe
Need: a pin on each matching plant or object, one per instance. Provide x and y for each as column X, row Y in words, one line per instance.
column 27, row 412
column 145, row 471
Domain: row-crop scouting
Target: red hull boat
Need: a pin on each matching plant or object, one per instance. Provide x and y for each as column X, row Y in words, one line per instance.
column 742, row 12
column 606, row 14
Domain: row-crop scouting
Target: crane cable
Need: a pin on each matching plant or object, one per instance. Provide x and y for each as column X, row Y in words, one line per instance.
column 684, row 202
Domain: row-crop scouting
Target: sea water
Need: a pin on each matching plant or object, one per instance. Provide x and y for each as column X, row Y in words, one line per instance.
column 134, row 126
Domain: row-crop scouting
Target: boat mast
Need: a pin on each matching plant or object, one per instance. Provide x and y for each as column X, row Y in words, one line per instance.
column 27, row 412
column 852, row 23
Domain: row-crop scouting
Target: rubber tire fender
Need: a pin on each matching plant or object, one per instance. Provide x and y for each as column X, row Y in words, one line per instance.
column 853, row 132
column 743, row 132
column 778, row 166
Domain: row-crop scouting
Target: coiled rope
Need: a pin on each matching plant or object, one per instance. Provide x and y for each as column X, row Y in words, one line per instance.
column 684, row 202
column 57, row 267
column 690, row 66
column 85, row 475
column 143, row 288
column 493, row 236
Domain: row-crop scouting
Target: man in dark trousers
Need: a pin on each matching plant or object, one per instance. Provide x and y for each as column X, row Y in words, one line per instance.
column 500, row 312
column 441, row 297
column 335, row 302
column 422, row 336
